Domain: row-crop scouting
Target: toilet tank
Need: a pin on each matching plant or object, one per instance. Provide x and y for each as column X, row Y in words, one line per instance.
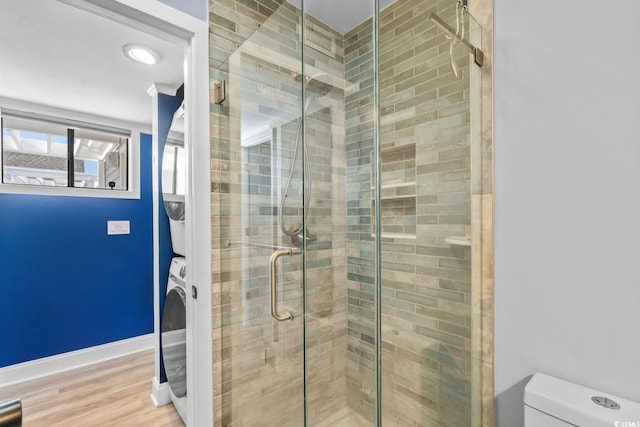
column 552, row 402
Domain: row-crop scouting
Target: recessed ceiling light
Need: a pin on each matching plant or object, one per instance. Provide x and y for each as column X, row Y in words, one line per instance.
column 141, row 54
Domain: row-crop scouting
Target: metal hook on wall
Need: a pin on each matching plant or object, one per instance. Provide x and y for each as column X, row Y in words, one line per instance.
column 457, row 35
column 461, row 8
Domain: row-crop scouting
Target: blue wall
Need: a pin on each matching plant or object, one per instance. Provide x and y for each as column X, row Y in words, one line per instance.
column 66, row 284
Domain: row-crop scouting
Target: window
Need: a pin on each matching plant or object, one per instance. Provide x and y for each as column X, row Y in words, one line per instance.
column 48, row 152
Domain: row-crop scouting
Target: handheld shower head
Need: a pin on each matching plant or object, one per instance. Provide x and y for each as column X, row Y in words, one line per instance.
column 298, row 233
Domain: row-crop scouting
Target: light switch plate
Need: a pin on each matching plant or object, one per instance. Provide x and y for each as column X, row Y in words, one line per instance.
column 118, row 227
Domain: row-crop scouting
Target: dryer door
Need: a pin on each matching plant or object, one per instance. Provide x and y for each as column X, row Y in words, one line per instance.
column 174, row 340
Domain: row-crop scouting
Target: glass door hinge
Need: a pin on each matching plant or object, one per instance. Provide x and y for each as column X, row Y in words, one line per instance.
column 219, row 92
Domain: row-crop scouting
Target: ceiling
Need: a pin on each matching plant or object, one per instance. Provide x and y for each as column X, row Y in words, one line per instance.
column 59, row 56
column 341, row 15
column 56, row 55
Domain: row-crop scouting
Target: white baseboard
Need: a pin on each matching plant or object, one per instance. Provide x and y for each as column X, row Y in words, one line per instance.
column 73, row 359
column 160, row 392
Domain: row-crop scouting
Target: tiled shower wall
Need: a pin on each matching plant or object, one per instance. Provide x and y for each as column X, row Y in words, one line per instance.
column 425, row 165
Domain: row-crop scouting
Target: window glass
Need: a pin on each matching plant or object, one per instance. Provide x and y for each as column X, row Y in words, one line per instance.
column 102, row 159
column 34, row 153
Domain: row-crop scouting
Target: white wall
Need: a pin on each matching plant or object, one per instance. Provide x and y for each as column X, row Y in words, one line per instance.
column 567, row 144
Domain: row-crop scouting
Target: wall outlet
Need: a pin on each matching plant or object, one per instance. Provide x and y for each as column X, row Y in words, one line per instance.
column 118, row 227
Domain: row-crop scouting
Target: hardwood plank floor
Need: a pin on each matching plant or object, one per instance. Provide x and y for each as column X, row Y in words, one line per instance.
column 111, row 393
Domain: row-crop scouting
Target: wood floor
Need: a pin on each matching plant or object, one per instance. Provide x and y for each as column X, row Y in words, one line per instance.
column 112, row 393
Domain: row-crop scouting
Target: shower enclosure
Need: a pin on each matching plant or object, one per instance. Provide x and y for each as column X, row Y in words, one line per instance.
column 347, row 183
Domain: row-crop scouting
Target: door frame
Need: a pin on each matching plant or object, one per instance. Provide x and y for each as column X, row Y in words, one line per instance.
column 163, row 21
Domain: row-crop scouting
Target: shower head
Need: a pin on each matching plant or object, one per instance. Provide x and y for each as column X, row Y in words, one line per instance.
column 315, row 86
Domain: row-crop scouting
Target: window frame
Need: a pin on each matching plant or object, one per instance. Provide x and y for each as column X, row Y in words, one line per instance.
column 85, row 122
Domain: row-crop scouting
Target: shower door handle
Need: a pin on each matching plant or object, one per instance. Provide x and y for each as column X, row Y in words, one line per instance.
column 273, row 270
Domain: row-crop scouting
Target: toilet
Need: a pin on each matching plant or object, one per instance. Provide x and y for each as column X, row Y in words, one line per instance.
column 552, row 402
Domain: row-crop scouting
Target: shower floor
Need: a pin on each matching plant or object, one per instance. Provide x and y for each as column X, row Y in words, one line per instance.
column 345, row 418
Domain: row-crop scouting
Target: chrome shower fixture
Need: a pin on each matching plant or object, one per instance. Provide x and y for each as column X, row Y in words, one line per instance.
column 298, row 233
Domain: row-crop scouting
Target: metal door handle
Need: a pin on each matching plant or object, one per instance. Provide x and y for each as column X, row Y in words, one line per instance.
column 273, row 270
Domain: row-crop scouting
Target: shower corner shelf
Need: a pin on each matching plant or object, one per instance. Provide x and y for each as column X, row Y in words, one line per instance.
column 396, row 236
column 398, row 185
column 458, row 241
column 398, row 197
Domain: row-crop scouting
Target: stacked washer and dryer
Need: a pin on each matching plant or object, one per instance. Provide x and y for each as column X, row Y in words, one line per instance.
column 174, row 313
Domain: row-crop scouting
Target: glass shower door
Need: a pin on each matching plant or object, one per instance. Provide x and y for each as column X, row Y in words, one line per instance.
column 283, row 325
column 340, row 122
column 260, row 308
column 345, row 184
column 430, row 176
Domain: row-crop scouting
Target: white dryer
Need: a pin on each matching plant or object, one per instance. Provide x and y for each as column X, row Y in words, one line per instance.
column 174, row 335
